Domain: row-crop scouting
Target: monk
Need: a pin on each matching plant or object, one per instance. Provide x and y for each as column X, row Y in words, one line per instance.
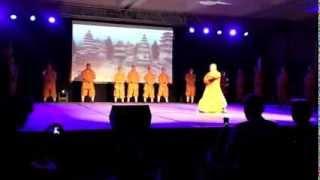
column 163, row 85
column 190, row 79
column 119, row 80
column 49, row 83
column 149, row 79
column 283, row 87
column 212, row 100
column 133, row 84
column 310, row 85
column 88, row 89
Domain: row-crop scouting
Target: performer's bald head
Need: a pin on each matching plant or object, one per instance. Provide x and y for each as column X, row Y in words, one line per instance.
column 213, row 67
column 49, row 66
column 191, row 70
column 133, row 67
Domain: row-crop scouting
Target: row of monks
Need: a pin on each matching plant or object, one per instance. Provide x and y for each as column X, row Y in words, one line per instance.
column 132, row 78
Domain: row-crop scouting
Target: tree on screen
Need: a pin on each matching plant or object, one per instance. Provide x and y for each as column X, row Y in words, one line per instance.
column 119, row 52
column 155, row 50
column 109, row 48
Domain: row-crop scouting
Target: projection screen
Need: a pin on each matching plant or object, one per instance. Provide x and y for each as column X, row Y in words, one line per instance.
column 106, row 46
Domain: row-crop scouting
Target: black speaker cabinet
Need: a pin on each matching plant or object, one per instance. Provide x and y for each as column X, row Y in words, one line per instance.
column 130, row 117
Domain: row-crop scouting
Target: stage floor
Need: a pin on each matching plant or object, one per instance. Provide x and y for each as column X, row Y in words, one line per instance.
column 95, row 116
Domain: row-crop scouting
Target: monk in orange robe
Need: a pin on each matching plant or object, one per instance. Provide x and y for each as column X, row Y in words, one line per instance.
column 133, row 84
column 283, row 87
column 119, row 80
column 149, row 79
column 88, row 77
column 49, row 83
column 163, row 85
column 310, row 85
column 190, row 79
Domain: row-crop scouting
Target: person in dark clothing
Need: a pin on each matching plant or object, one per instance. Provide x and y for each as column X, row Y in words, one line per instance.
column 304, row 142
column 14, row 111
column 253, row 147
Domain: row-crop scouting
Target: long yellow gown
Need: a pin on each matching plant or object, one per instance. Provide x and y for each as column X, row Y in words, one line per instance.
column 212, row 100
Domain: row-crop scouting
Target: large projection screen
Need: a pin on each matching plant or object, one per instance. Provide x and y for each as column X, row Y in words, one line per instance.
column 106, row 46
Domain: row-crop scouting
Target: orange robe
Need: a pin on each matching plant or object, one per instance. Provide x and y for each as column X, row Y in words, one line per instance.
column 240, row 85
column 163, row 85
column 88, row 77
column 49, row 84
column 133, row 84
column 119, row 79
column 310, row 86
column 148, row 86
column 283, row 87
column 190, row 84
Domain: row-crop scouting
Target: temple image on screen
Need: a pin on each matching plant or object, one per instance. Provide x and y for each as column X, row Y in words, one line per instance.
column 106, row 46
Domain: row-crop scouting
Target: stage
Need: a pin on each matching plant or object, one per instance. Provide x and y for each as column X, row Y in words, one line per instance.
column 95, row 116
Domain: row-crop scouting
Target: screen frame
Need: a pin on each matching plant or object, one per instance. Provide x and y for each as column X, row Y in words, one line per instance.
column 122, row 24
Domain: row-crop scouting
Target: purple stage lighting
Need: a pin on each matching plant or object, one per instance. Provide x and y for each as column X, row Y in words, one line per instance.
column 33, row 18
column 13, row 17
column 52, row 20
column 233, row 32
column 219, row 32
column 206, row 30
column 246, row 33
column 191, row 30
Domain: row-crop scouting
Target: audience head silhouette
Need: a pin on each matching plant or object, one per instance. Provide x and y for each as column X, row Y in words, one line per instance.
column 253, row 108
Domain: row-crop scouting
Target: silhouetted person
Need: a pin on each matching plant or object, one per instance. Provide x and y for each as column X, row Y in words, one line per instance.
column 304, row 143
column 254, row 144
column 14, row 112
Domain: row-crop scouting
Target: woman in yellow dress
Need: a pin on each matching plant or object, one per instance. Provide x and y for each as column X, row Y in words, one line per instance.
column 212, row 100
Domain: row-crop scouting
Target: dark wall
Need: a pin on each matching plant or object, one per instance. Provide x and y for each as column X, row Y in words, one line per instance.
column 292, row 45
column 279, row 43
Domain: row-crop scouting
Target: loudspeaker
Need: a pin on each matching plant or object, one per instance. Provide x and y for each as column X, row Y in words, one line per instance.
column 130, row 117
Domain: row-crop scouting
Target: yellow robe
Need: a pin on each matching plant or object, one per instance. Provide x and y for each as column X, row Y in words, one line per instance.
column 133, row 84
column 148, row 86
column 212, row 100
column 190, row 84
column 88, row 89
column 163, row 85
column 119, row 79
column 49, row 84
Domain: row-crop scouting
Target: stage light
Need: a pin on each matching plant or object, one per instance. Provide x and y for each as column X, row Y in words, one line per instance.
column 33, row 18
column 13, row 17
column 191, row 30
column 206, row 30
column 52, row 19
column 219, row 32
column 233, row 32
column 246, row 33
